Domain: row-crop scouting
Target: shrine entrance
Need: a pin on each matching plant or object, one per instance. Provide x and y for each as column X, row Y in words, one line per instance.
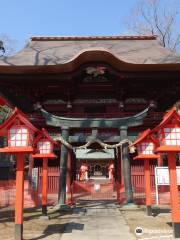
column 94, row 190
column 95, row 175
column 96, row 184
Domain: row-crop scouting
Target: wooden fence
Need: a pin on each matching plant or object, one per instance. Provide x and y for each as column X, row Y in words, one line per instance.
column 33, row 197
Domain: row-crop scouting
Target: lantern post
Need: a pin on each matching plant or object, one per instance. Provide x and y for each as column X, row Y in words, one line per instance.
column 168, row 133
column 44, row 145
column 146, row 145
column 19, row 132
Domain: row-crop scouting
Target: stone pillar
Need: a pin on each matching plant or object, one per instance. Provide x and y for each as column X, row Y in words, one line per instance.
column 63, row 168
column 126, row 166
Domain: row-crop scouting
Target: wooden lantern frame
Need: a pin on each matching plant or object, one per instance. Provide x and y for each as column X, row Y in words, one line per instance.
column 16, row 120
column 43, row 136
column 146, row 137
column 171, row 119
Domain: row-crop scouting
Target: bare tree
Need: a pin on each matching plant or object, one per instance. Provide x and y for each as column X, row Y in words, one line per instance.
column 7, row 44
column 2, row 49
column 157, row 17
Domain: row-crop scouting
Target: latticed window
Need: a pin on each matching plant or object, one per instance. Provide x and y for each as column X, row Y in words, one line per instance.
column 19, row 136
column 170, row 136
column 44, row 147
column 146, row 148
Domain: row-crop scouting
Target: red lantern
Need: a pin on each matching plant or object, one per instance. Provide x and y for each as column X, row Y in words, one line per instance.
column 44, row 145
column 44, row 150
column 19, row 132
column 146, row 145
column 168, row 132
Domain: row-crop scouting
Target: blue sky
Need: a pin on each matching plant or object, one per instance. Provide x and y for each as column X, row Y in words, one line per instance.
column 20, row 19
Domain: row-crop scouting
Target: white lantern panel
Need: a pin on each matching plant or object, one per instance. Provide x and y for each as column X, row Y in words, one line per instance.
column 18, row 137
column 172, row 136
column 23, row 143
column 18, row 144
column 147, row 148
column 24, row 137
column 44, row 147
column 24, row 130
column 13, row 144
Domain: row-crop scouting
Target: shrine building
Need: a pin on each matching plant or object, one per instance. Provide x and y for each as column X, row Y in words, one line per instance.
column 93, row 95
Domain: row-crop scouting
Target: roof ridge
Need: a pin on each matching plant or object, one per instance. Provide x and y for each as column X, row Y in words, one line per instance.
column 81, row 38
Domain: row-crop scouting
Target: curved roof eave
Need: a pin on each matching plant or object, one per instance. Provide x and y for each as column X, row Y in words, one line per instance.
column 88, row 56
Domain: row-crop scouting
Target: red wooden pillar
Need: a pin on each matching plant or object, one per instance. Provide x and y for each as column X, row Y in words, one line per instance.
column 44, row 186
column 147, row 186
column 68, row 178
column 19, row 197
column 174, row 194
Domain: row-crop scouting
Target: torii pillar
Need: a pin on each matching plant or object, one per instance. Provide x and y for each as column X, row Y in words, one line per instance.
column 126, row 166
column 63, row 169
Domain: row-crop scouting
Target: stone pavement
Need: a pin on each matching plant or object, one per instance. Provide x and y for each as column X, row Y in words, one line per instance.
column 98, row 221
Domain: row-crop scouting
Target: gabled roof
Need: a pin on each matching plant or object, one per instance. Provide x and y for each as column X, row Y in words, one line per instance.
column 167, row 118
column 52, row 51
column 43, row 134
column 145, row 134
column 16, row 114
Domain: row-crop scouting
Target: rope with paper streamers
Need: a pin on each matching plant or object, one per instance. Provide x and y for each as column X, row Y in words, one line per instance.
column 103, row 145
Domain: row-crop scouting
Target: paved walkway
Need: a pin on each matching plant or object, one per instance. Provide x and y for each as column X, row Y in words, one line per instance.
column 98, row 221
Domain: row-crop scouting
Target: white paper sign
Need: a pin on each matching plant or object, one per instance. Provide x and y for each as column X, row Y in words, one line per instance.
column 162, row 175
column 162, row 178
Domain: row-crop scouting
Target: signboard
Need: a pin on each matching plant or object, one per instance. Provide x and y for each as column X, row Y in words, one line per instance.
column 34, row 178
column 162, row 178
column 162, row 175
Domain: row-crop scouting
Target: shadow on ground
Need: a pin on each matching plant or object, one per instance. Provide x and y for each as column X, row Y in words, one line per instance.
column 59, row 228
